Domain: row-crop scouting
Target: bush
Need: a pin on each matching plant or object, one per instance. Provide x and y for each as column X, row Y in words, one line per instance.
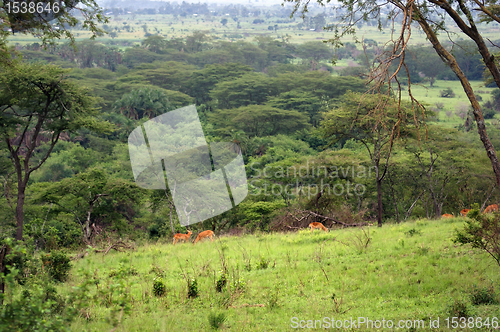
column 489, row 113
column 58, row 265
column 123, row 271
column 263, row 264
column 413, row 232
column 35, row 309
column 459, row 308
column 221, row 282
column 481, row 231
column 483, row 295
column 159, row 288
column 273, row 297
column 192, row 288
column 53, row 234
column 16, row 261
column 216, row 320
column 447, row 93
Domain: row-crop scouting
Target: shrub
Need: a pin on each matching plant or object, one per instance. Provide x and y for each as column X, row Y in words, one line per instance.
column 481, row 231
column 413, row 232
column 461, row 110
column 221, row 282
column 447, row 93
column 192, row 288
column 156, row 270
column 58, row 265
column 238, row 284
column 489, row 113
column 159, row 288
column 273, row 297
column 36, row 309
column 123, row 271
column 483, row 295
column 263, row 264
column 459, row 308
column 216, row 320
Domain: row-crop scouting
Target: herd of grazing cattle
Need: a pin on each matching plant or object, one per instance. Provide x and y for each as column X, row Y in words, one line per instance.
column 489, row 209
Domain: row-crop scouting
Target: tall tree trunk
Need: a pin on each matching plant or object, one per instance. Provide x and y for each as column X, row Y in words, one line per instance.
column 379, row 194
column 394, row 201
column 20, row 210
column 171, row 221
column 170, row 199
column 476, row 108
column 3, row 253
column 379, row 202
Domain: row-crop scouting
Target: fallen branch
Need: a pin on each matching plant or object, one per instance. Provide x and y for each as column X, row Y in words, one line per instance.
column 332, row 219
column 293, row 227
column 116, row 246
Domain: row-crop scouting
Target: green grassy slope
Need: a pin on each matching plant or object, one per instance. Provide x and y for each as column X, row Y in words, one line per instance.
column 408, row 271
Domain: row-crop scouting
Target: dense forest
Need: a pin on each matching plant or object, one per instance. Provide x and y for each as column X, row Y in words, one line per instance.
column 282, row 105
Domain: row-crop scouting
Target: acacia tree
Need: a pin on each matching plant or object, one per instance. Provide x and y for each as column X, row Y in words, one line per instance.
column 430, row 16
column 37, row 104
column 51, row 25
column 91, row 197
column 144, row 102
column 358, row 118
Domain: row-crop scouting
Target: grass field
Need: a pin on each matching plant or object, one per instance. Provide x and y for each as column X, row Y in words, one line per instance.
column 409, row 271
column 431, row 95
column 180, row 27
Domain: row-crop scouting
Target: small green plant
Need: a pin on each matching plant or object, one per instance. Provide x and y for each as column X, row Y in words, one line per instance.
column 114, row 293
column 413, row 232
column 481, row 231
column 263, row 263
column 159, row 288
column 58, row 265
column 192, row 288
column 483, row 295
column 156, row 271
column 221, row 282
column 459, row 308
column 215, row 320
column 422, row 250
column 273, row 297
column 123, row 271
column 239, row 285
column 248, row 265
